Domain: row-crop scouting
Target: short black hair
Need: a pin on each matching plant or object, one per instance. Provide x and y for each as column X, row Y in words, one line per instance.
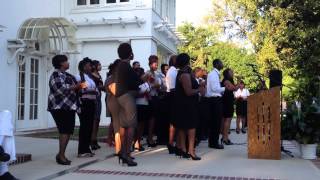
column 172, row 60
column 58, row 60
column 95, row 64
column 124, row 51
column 83, row 62
column 183, row 60
column 163, row 66
column 216, row 62
column 135, row 62
column 153, row 59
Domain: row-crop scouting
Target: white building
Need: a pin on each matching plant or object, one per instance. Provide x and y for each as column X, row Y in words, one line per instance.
column 32, row 31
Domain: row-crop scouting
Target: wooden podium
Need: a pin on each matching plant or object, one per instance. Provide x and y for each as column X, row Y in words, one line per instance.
column 264, row 125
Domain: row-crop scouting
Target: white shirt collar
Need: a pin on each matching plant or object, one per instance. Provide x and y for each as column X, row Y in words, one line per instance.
column 215, row 69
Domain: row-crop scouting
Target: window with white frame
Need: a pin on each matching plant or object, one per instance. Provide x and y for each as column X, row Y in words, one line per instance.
column 85, row 2
column 21, row 87
column 34, row 89
column 117, row 1
column 28, row 88
column 111, row 1
column 81, row 2
column 92, row 2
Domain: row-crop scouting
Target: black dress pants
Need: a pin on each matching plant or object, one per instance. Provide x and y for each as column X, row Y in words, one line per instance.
column 162, row 123
column 86, row 124
column 202, row 129
column 215, row 119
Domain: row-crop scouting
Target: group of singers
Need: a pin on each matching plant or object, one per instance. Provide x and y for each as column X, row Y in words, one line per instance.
column 178, row 105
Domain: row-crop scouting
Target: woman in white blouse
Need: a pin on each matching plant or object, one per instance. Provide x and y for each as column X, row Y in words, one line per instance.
column 241, row 96
column 87, row 98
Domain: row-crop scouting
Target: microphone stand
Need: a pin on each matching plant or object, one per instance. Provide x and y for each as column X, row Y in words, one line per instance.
column 264, row 87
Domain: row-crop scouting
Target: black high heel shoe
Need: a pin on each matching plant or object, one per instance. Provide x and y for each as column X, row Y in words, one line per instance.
column 171, row 149
column 195, row 158
column 178, row 152
column 61, row 162
column 185, row 155
column 127, row 160
column 226, row 142
column 243, row 131
column 95, row 146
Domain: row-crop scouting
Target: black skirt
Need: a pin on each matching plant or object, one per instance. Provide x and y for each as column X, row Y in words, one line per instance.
column 228, row 110
column 65, row 120
column 241, row 108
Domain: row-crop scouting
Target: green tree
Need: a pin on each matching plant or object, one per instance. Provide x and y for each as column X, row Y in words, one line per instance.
column 203, row 47
column 284, row 35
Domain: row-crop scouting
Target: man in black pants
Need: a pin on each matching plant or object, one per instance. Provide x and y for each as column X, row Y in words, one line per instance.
column 214, row 101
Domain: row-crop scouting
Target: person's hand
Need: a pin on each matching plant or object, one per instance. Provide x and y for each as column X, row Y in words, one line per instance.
column 202, row 90
column 83, row 85
column 202, row 83
column 76, row 87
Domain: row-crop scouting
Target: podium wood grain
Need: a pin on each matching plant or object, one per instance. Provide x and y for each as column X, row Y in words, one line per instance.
column 264, row 125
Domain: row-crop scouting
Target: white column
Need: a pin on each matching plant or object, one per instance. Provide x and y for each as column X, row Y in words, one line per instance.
column 142, row 49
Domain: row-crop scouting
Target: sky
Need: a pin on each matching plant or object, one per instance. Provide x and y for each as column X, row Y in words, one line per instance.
column 192, row 10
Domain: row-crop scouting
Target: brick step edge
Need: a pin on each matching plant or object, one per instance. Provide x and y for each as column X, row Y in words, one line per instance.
column 21, row 158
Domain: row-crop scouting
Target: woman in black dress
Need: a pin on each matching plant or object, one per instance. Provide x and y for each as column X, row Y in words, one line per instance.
column 228, row 104
column 186, row 112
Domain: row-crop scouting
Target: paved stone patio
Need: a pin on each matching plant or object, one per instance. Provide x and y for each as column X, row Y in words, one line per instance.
column 231, row 163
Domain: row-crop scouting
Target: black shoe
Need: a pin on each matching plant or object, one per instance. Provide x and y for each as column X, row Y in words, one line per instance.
column 243, row 131
column 185, row 155
column 117, row 155
column 61, row 162
column 8, row 176
column 151, row 144
column 216, row 146
column 238, row 131
column 95, row 147
column 178, row 152
column 4, row 157
column 171, row 149
column 226, row 142
column 195, row 158
column 127, row 160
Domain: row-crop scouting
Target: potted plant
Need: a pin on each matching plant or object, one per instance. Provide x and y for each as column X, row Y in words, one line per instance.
column 303, row 125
